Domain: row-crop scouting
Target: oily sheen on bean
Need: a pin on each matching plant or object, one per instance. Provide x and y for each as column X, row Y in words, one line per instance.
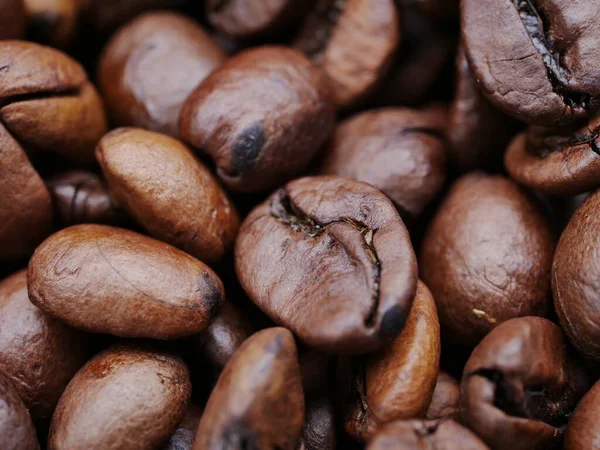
column 110, row 280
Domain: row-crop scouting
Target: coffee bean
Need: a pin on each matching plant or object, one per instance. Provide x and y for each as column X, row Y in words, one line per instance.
column 486, row 257
column 413, row 434
column 26, row 212
column 559, row 162
column 144, row 391
column 574, row 274
column 109, row 280
column 319, row 428
column 583, row 431
column 47, row 103
column 82, row 197
column 146, row 173
column 521, row 385
column 12, row 19
column 399, row 151
column 397, row 381
column 258, row 401
column 535, row 60
column 53, row 22
column 354, row 42
column 16, row 428
column 445, row 399
column 230, row 116
column 477, row 132
column 183, row 438
column 330, row 259
column 438, row 9
column 38, row 353
column 243, row 19
column 151, row 65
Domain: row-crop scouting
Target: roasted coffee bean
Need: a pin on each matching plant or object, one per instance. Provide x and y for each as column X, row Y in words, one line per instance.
column 243, row 19
column 583, row 431
column 258, row 401
column 330, row 259
column 438, row 9
column 486, row 257
column 477, row 132
column 47, row 103
column 535, row 60
column 559, row 162
column 13, row 19
column 354, row 42
column 216, row 345
column 16, row 428
column 399, row 151
column 318, row 432
column 26, row 206
column 429, row 434
column 574, row 278
column 262, row 116
column 445, row 399
column 424, row 50
column 151, row 66
column 142, row 390
column 109, row 280
column 521, row 385
column 184, row 436
column 108, row 15
column 82, row 197
column 169, row 192
column 53, row 22
column 38, row 353
column 396, row 382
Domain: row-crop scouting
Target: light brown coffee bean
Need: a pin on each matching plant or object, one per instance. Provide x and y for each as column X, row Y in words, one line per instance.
column 445, row 400
column 169, row 192
column 125, row 398
column 109, row 280
column 16, row 428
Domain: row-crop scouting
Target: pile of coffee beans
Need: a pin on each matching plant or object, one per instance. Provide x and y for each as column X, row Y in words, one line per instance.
column 299, row 225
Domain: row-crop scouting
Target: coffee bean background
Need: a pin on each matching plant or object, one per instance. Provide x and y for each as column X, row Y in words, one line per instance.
column 299, row 224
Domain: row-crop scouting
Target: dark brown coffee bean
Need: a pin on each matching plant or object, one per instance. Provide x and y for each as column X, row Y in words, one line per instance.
column 16, row 428
column 258, row 401
column 535, row 60
column 583, row 431
column 38, row 353
column 445, row 399
column 486, row 257
column 53, row 22
column 82, row 197
column 25, row 203
column 559, row 162
column 108, row 15
column 330, row 259
column 353, row 41
column 477, row 132
column 223, row 336
column 319, row 428
column 262, row 116
column 47, row 102
column 151, row 65
column 397, row 382
column 109, row 280
column 424, row 50
column 12, row 19
column 169, row 192
column 397, row 150
column 574, row 278
column 438, row 9
column 429, row 434
column 125, row 398
column 184, row 436
column 521, row 385
column 243, row 19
